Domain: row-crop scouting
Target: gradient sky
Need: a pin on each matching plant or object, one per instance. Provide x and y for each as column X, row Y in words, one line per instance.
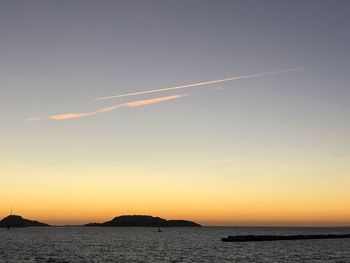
column 271, row 150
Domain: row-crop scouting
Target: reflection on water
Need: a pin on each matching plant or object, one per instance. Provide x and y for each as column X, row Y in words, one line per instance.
column 172, row 245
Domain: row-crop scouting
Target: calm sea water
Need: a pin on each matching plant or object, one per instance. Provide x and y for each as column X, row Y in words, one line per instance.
column 172, row 245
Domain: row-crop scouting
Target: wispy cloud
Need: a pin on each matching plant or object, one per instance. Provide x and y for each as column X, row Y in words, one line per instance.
column 137, row 103
column 224, row 160
column 64, row 116
column 33, row 119
column 152, row 101
column 200, row 84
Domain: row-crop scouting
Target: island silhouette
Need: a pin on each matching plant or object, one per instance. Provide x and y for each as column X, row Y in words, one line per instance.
column 119, row 221
column 144, row 221
column 18, row 221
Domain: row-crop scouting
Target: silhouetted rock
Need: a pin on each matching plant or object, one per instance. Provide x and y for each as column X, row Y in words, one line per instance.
column 135, row 220
column 18, row 221
column 144, row 221
column 181, row 223
column 250, row 238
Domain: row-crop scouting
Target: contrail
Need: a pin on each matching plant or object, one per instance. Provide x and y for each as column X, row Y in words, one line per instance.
column 198, row 84
column 138, row 103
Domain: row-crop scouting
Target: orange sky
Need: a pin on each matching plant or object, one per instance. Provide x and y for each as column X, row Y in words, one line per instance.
column 221, row 112
column 79, row 195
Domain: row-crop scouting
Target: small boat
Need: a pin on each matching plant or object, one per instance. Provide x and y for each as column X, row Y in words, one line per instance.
column 159, row 230
column 8, row 226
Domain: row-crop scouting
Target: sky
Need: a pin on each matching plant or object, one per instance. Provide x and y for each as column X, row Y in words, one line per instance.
column 221, row 112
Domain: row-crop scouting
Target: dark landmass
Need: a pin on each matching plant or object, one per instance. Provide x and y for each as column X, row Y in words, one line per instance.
column 18, row 221
column 144, row 221
column 249, row 238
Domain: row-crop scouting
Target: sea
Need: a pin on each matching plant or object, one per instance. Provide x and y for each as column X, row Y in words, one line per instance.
column 137, row 244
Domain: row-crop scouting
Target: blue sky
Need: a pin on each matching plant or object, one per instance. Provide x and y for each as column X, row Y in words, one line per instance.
column 57, row 56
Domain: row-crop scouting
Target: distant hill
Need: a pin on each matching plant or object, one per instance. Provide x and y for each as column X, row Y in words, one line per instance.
column 144, row 221
column 18, row 221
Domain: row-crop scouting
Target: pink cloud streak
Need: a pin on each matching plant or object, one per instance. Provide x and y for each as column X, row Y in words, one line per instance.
column 137, row 103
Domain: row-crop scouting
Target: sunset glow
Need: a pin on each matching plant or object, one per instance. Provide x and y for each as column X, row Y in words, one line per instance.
column 220, row 112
